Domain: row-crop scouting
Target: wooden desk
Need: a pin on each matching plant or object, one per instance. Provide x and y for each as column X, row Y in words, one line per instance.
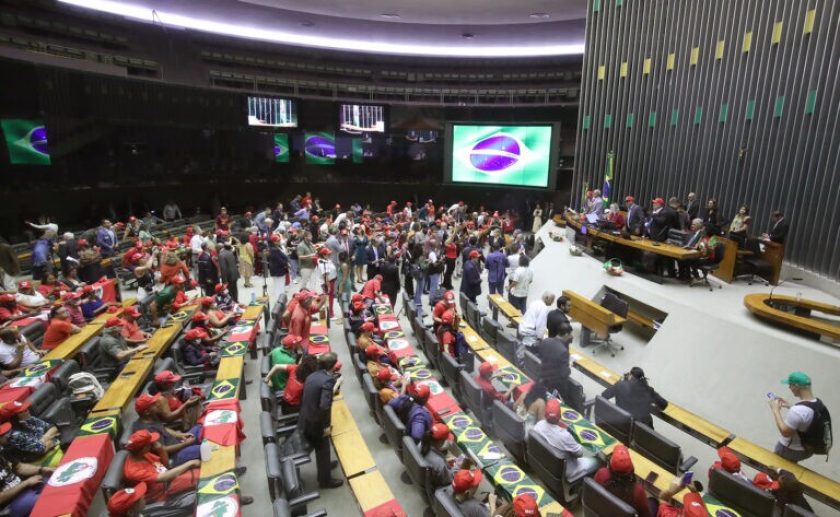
column 161, row 339
column 591, row 315
column 498, row 303
column 474, row 341
column 491, row 356
column 592, row 368
column 121, row 392
column 642, row 321
column 253, row 312
column 74, row 343
column 230, row 367
column 712, row 434
column 758, row 304
column 222, row 459
column 774, row 253
column 353, row 454
column 342, row 419
column 371, row 490
column 726, row 269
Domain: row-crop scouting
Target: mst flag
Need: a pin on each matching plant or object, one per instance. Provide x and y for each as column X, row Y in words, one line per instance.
column 26, row 140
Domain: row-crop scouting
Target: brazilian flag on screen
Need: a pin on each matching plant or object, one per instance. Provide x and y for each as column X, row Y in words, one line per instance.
column 501, row 155
column 281, row 148
column 26, row 141
column 319, row 148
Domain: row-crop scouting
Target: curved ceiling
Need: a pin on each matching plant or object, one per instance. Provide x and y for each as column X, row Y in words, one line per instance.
column 438, row 12
column 443, row 28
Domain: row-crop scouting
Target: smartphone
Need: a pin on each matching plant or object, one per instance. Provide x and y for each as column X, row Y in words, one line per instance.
column 687, row 477
column 771, row 396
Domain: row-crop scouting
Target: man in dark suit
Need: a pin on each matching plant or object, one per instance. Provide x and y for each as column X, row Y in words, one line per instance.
column 375, row 255
column 662, row 219
column 471, row 283
column 315, row 416
column 692, row 207
column 779, row 229
column 635, row 216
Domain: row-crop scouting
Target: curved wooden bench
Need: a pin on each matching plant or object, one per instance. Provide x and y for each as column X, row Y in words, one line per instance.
column 758, row 304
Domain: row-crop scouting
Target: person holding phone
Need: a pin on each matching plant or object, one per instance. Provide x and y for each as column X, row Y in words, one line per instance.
column 692, row 505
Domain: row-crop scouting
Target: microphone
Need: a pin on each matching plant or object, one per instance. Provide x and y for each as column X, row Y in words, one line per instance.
column 793, row 278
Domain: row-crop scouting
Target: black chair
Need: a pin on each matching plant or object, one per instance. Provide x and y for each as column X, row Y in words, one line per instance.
column 112, row 480
column 265, row 366
column 444, row 505
column 359, row 366
column 372, row 396
column 394, row 430
column 614, row 304
column 613, row 419
column 463, row 301
column 283, row 474
column 660, row 449
column 490, row 328
column 532, row 365
column 510, row 429
column 677, row 237
column 474, row 396
column 597, row 501
column 451, row 371
column 793, row 510
column 550, row 466
column 271, row 429
column 741, row 495
column 506, row 347
column 416, row 466
column 284, row 508
column 91, row 361
column 753, row 264
column 47, row 404
column 575, row 397
column 34, row 332
column 61, row 375
column 709, row 266
column 431, row 346
column 185, row 369
column 473, row 315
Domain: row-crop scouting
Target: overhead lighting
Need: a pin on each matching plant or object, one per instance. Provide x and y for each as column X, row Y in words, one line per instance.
column 129, row 10
column 539, row 16
column 390, row 16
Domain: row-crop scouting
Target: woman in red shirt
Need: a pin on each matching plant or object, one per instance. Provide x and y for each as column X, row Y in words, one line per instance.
column 59, row 328
column 450, row 254
column 290, row 403
column 50, row 288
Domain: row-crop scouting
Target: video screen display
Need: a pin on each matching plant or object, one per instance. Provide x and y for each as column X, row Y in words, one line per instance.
column 319, row 148
column 517, row 155
column 281, row 148
column 26, row 141
column 271, row 112
column 360, row 118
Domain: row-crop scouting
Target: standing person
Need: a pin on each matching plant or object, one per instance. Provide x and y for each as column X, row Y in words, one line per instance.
column 106, row 239
column 306, row 259
column 554, row 355
column 247, row 255
column 359, row 250
column 532, row 326
column 42, row 256
column 345, row 280
column 538, row 222
column 208, row 272
column 334, row 245
column 520, row 284
column 496, row 264
column 435, row 265
column 778, row 232
column 390, row 277
column 375, row 253
column 450, row 256
column 635, row 222
column 229, row 269
column 172, row 211
column 315, row 416
column 711, row 219
column 68, row 251
column 634, row 395
column 278, row 264
column 692, row 207
column 327, row 275
column 596, row 205
column 471, row 283
column 806, row 428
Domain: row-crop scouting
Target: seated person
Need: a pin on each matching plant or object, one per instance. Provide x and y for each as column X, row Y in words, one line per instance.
column 201, row 320
column 73, row 306
column 485, row 380
column 280, row 356
column 620, row 480
column 730, row 463
column 182, row 447
column 441, row 307
column 28, row 298
column 224, row 300
column 31, row 439
column 372, row 290
column 113, row 347
column 692, row 501
column 20, row 483
column 9, row 309
column 164, row 300
column 784, row 486
column 93, row 305
column 58, row 329
column 388, row 384
column 51, row 288
column 183, row 403
column 410, row 409
column 194, row 353
column 365, row 338
column 378, row 358
column 16, row 352
column 434, row 451
column 634, row 395
column 217, row 317
column 148, row 462
column 531, row 404
column 128, row 502
column 297, row 374
column 71, row 278
column 556, row 434
column 523, row 505
column 131, row 331
column 464, row 486
column 447, row 334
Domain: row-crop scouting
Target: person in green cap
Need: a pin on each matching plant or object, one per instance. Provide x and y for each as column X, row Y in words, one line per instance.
column 804, row 427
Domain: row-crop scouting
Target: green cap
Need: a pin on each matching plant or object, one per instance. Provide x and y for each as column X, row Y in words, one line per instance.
column 798, row 378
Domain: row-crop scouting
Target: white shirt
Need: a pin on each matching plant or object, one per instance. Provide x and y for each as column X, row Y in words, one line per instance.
column 8, row 352
column 523, row 277
column 562, row 441
column 195, row 243
column 798, row 418
column 534, row 318
column 52, row 227
column 329, row 267
column 432, row 256
column 340, row 217
column 31, row 300
column 171, row 212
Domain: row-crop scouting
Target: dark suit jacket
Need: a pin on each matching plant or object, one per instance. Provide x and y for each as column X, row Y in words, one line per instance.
column 779, row 231
column 316, row 404
column 693, row 208
column 370, row 255
column 661, row 222
column 471, row 283
column 635, row 218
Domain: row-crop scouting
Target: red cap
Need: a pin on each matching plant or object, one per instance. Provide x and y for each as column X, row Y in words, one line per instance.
column 220, row 287
column 693, row 505
column 275, row 238
column 199, row 317
column 206, row 301
column 145, row 401
column 372, row 351
column 765, row 482
column 629, row 199
column 368, row 326
column 358, row 306
column 524, row 505
column 420, row 391
column 132, row 311
column 167, row 377
column 465, row 480
column 25, row 284
column 324, row 251
column 178, row 280
column 449, row 297
column 87, row 289
column 357, row 297
column 447, row 318
column 11, row 409
column 552, row 411
column 485, row 370
column 729, row 460
column 193, row 283
column 81, row 242
column 141, row 438
column 658, row 201
column 385, row 374
column 9, row 298
column 620, row 461
column 474, row 254
column 291, row 341
column 197, row 333
column 123, row 500
column 5, row 427
column 440, row 431
column 113, row 322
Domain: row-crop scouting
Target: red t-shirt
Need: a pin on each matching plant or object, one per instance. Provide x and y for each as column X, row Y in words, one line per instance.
column 639, row 500
column 488, row 389
column 131, row 330
column 300, row 324
column 148, row 468
column 447, row 342
column 450, row 251
column 370, row 289
column 294, row 388
column 56, row 333
column 174, row 403
column 6, row 314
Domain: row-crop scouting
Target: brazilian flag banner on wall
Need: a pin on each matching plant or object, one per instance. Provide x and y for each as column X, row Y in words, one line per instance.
column 26, row 140
column 281, row 148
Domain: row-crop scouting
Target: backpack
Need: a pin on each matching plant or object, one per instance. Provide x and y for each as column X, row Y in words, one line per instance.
column 436, row 296
column 84, row 384
column 461, row 346
column 818, row 438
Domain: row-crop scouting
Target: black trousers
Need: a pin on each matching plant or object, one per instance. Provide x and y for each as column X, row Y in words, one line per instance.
column 322, row 457
column 447, row 275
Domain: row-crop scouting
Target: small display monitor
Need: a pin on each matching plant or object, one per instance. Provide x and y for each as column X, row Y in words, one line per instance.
column 362, row 118
column 271, row 112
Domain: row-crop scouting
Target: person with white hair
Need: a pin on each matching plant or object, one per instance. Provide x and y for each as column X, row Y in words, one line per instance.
column 532, row 326
column 68, row 252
